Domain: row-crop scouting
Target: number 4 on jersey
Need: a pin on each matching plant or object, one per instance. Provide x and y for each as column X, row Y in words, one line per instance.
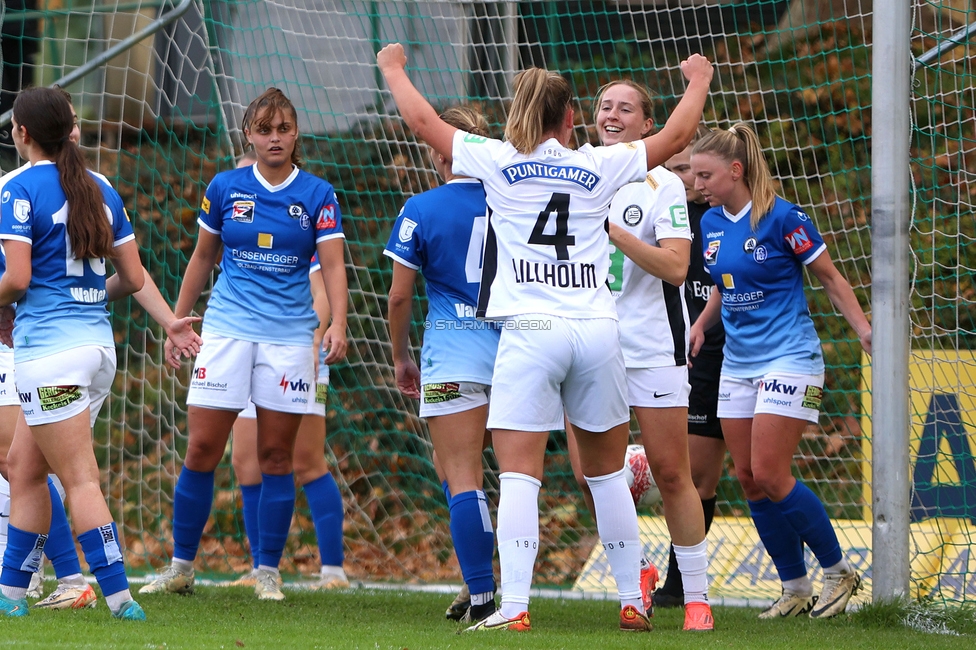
column 562, row 240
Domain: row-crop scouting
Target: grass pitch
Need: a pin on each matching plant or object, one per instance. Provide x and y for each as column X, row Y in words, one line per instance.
column 233, row 618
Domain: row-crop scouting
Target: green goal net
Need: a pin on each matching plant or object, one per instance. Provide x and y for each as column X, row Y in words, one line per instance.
column 161, row 119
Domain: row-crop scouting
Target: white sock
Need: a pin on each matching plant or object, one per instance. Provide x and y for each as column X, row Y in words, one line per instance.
column 800, row 586
column 518, row 539
column 840, row 567
column 270, row 569
column 184, row 566
column 693, row 564
column 616, row 521
column 13, row 593
column 328, row 571
column 4, row 514
column 116, row 600
column 74, row 580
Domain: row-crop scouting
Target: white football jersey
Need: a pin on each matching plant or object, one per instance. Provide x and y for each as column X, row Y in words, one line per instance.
column 547, row 250
column 653, row 315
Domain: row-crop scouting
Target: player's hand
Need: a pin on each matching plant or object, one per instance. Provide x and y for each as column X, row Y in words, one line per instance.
column 391, row 57
column 696, row 337
column 334, row 343
column 171, row 355
column 697, row 67
column 185, row 342
column 408, row 378
column 866, row 341
column 7, row 315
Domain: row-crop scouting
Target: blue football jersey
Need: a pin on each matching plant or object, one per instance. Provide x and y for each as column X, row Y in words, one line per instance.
column 269, row 235
column 760, row 276
column 441, row 232
column 65, row 305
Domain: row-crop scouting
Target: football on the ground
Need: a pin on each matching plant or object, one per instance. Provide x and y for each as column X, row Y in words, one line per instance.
column 639, row 478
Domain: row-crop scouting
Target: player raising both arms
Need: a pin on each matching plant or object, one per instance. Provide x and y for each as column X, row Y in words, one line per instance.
column 268, row 219
column 756, row 247
column 441, row 233
column 545, row 271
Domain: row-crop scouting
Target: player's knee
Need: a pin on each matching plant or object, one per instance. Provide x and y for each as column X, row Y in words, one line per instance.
column 307, row 471
column 276, row 460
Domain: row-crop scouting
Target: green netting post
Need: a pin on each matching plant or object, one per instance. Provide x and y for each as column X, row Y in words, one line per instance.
column 890, row 216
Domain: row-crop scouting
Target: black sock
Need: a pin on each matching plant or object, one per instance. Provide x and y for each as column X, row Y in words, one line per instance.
column 481, row 612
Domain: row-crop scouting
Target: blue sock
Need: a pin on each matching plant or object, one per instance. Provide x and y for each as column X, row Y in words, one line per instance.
column 447, row 492
column 474, row 540
column 22, row 558
column 782, row 542
column 104, row 556
column 809, row 519
column 325, row 502
column 60, row 547
column 250, row 498
column 274, row 516
column 191, row 509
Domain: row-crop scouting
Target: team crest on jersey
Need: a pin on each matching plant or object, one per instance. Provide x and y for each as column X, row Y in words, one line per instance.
column 327, row 218
column 205, row 206
column 633, row 215
column 761, row 254
column 711, row 254
column 243, row 212
column 750, row 245
column 406, row 230
column 21, row 210
column 799, row 241
column 298, row 211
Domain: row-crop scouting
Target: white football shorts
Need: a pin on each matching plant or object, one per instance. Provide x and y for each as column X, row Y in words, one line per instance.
column 778, row 393
column 658, row 388
column 447, row 398
column 547, row 362
column 8, row 389
column 62, row 385
column 229, row 371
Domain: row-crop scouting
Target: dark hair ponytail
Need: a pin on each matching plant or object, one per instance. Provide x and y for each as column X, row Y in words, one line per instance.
column 46, row 115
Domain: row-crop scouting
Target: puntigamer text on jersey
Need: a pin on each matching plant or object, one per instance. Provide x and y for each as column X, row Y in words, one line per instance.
column 525, row 170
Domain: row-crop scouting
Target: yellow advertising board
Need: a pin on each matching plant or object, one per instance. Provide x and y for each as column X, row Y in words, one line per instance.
column 740, row 571
column 943, row 514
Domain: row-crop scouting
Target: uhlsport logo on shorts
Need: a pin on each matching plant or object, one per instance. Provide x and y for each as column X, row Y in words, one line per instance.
column 52, row 398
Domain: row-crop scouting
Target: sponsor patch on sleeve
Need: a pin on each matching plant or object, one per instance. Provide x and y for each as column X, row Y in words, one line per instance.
column 327, row 218
column 799, row 241
column 205, row 206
